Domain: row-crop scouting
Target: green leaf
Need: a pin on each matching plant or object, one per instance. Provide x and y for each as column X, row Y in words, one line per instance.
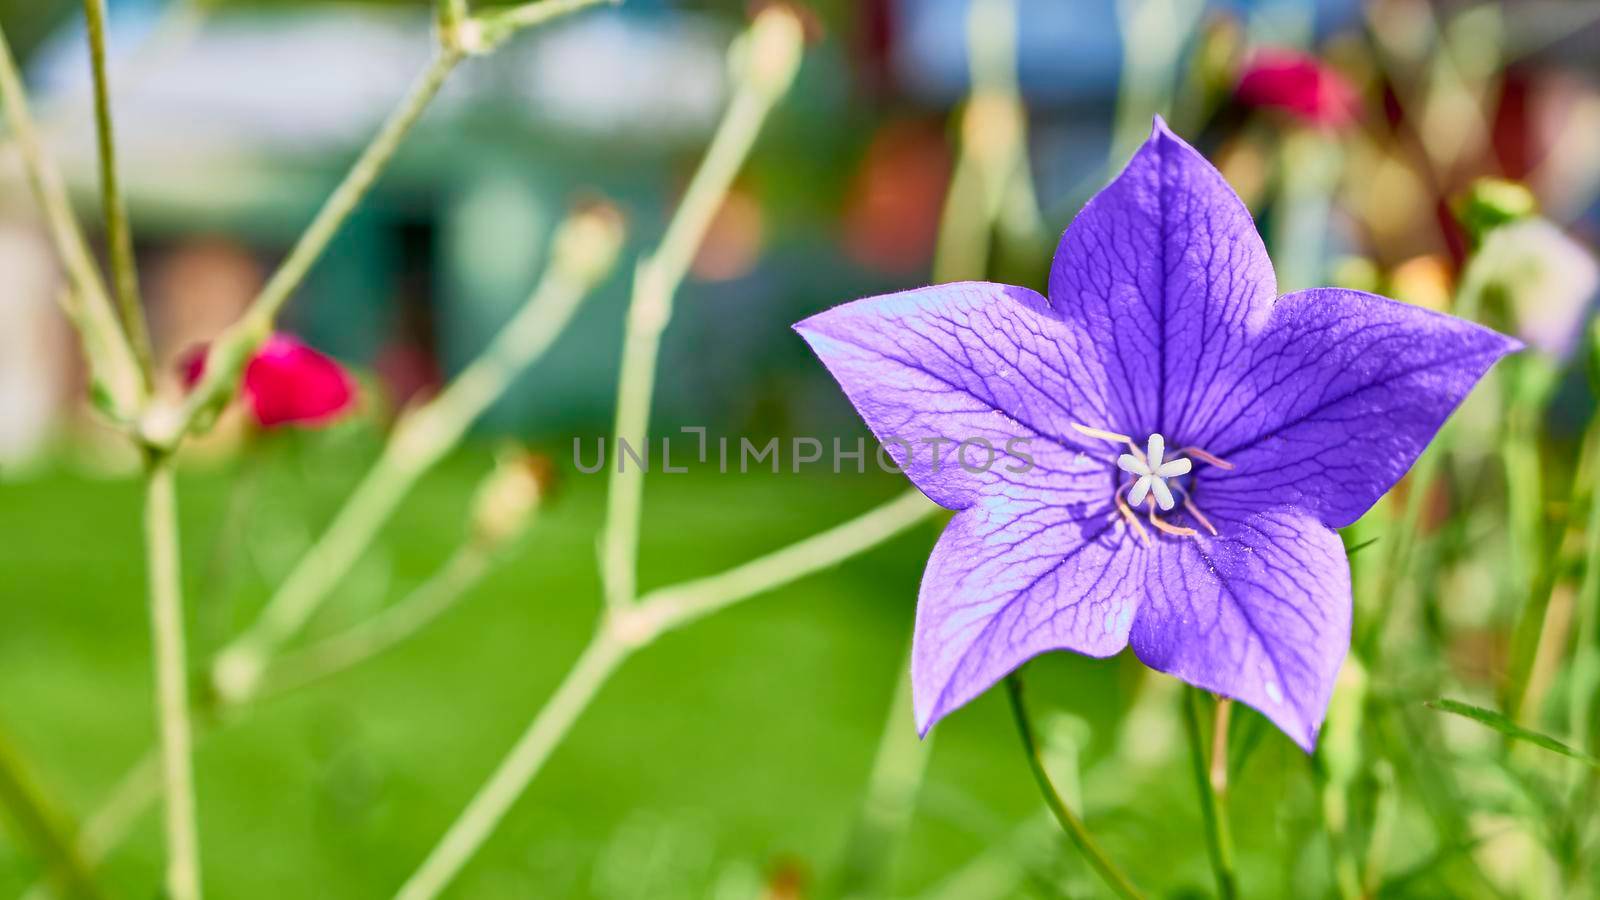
column 1361, row 546
column 1511, row 729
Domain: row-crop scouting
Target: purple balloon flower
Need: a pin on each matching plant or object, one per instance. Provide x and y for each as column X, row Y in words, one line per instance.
column 1176, row 445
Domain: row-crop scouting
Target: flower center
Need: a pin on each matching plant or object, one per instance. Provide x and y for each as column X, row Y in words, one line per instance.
column 1151, row 473
column 1148, row 487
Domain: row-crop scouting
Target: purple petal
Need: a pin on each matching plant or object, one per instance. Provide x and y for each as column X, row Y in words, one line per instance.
column 1164, row 271
column 1261, row 614
column 1009, row 581
column 969, row 362
column 1335, row 402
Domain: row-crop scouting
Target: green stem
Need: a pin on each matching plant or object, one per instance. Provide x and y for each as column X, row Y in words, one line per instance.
column 625, row 630
column 1070, row 823
column 584, row 249
column 172, row 694
column 670, row 607
column 892, row 788
column 679, row 604
column 517, row 770
column 40, row 823
column 1586, row 654
column 234, row 348
column 113, row 362
column 432, row 599
column 119, row 236
column 499, row 25
column 771, row 53
column 1219, row 839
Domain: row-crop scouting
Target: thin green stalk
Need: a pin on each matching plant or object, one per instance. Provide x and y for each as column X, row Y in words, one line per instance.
column 452, row 13
column 498, row 25
column 667, row 608
column 1309, row 165
column 1213, row 809
column 767, row 58
column 1070, row 823
column 622, row 632
column 991, row 181
column 118, row 379
column 432, row 599
column 233, row 349
column 584, row 250
column 1586, row 654
column 138, row 788
column 1153, row 36
column 495, row 798
column 680, row 604
column 40, row 823
column 891, row 794
column 119, row 235
column 172, row 690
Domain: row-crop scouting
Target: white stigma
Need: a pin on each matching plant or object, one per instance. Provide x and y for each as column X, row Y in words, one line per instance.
column 1152, row 473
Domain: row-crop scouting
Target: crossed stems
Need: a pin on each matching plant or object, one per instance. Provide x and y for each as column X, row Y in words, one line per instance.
column 1126, row 509
column 122, row 369
column 768, row 55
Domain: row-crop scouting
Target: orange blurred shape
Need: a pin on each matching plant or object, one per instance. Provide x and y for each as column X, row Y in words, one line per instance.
column 733, row 242
column 891, row 218
column 1423, row 281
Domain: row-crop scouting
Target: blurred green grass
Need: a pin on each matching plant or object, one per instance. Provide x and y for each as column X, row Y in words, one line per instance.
column 738, row 746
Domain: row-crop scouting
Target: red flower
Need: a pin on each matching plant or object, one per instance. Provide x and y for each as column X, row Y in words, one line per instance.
column 286, row 383
column 1299, row 84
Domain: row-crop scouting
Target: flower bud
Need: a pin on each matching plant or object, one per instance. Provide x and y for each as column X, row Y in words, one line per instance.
column 286, row 382
column 588, row 242
column 1299, row 85
column 1492, row 202
column 509, row 496
column 767, row 55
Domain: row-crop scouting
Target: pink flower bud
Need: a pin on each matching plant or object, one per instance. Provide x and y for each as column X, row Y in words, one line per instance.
column 1300, row 85
column 286, row 383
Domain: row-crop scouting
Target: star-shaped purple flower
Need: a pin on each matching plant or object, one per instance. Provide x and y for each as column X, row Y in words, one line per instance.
column 1186, row 443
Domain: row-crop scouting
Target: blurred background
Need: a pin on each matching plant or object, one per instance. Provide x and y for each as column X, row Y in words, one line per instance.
column 1425, row 150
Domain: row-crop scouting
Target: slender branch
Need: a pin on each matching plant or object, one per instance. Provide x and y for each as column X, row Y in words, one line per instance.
column 1213, row 810
column 115, row 367
column 41, row 823
column 498, row 25
column 452, row 13
column 1585, row 671
column 432, row 599
column 622, row 632
column 680, row 604
column 234, row 347
column 1070, row 823
column 584, row 250
column 492, row 801
column 891, row 792
column 770, row 53
column 119, row 235
column 172, row 693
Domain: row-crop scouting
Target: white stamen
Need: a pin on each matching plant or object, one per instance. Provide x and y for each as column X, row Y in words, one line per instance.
column 1140, row 488
column 1153, row 473
column 1174, row 468
column 1163, row 495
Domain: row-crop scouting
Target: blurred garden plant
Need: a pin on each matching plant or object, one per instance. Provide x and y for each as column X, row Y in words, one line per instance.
column 1217, row 561
column 286, row 382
